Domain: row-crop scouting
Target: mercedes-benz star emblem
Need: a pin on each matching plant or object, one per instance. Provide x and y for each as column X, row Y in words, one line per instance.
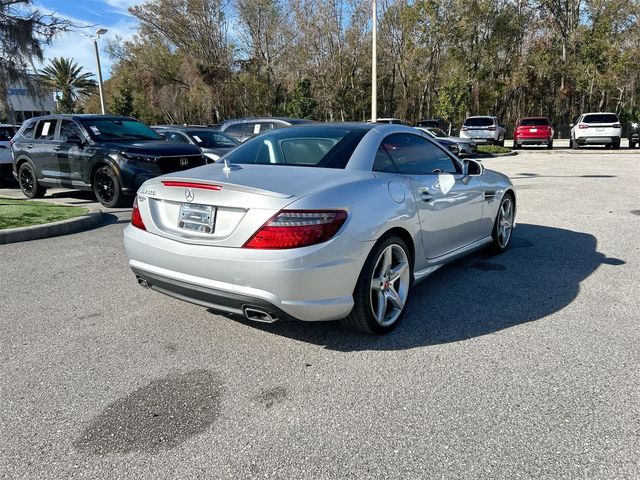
column 188, row 194
column 184, row 162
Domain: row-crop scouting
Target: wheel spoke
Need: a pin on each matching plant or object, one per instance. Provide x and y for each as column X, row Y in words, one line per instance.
column 377, row 284
column 382, row 307
column 397, row 271
column 394, row 298
column 386, row 260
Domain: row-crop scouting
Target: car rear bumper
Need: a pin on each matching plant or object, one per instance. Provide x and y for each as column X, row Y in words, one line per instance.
column 305, row 284
column 597, row 140
column 532, row 140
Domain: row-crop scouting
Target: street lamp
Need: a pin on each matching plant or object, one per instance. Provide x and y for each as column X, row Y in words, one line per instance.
column 374, row 67
column 99, row 32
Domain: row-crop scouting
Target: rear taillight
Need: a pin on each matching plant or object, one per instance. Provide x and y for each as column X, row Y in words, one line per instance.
column 464, row 129
column 136, row 218
column 492, row 128
column 617, row 125
column 298, row 228
column 583, row 125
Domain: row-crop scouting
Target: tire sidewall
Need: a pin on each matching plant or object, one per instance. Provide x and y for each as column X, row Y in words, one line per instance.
column 34, row 190
column 362, row 293
column 496, row 247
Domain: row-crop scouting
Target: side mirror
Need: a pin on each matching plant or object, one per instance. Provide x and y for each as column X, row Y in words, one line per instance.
column 162, row 135
column 472, row 168
column 75, row 140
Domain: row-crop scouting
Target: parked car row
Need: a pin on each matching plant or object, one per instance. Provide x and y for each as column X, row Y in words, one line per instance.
column 113, row 156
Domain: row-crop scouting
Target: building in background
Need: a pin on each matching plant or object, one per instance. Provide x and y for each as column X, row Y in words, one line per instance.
column 23, row 104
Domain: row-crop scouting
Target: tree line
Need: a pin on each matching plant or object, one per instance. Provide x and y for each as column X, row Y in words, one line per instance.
column 203, row 61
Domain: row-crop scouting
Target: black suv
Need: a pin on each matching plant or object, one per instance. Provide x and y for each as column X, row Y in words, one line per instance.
column 110, row 155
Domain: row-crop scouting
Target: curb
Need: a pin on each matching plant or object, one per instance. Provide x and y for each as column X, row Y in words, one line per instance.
column 485, row 156
column 64, row 227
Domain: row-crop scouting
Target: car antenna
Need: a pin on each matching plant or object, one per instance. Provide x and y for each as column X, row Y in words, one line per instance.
column 226, row 168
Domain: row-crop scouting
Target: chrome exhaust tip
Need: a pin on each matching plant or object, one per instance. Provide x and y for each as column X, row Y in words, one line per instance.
column 257, row 315
column 143, row 283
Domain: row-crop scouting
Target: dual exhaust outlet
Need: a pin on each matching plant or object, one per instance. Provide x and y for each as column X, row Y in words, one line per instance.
column 251, row 313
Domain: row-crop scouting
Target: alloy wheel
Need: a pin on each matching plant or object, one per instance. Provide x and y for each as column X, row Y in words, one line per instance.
column 105, row 188
column 505, row 222
column 390, row 284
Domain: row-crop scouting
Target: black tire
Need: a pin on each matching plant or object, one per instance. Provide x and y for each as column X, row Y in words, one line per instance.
column 107, row 188
column 29, row 182
column 515, row 145
column 616, row 145
column 550, row 145
column 498, row 243
column 501, row 143
column 362, row 317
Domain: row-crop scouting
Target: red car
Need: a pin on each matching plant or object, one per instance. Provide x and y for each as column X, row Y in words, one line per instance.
column 533, row 131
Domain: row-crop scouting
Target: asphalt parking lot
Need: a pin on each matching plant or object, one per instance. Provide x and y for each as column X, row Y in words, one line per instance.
column 524, row 365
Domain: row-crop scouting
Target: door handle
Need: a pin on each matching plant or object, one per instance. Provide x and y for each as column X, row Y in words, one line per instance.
column 57, row 148
column 425, row 195
column 29, row 145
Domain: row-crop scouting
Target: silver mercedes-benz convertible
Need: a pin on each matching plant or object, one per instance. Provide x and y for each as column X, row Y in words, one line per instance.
column 317, row 222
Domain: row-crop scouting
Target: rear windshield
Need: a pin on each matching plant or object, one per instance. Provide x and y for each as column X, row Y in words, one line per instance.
column 478, row 122
column 436, row 132
column 601, row 118
column 117, row 129
column 304, row 147
column 530, row 122
column 211, row 139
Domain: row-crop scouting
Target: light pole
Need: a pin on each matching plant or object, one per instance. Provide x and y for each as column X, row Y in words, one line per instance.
column 374, row 67
column 95, row 37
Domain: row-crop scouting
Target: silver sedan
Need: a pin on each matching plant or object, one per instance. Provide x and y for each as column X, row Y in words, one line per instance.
column 318, row 222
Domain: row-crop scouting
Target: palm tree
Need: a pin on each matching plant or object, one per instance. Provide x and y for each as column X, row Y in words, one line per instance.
column 65, row 76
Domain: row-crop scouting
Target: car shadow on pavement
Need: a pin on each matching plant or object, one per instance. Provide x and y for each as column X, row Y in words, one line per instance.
column 539, row 275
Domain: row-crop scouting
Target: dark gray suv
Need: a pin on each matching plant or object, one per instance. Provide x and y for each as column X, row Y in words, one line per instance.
column 110, row 155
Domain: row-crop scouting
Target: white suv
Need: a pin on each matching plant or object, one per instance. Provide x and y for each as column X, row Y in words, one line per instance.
column 596, row 129
column 483, row 129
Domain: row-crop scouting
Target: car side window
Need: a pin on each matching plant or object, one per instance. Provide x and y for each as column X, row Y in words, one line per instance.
column 28, row 130
column 264, row 126
column 46, row 130
column 69, row 128
column 251, row 129
column 235, row 130
column 414, row 155
column 176, row 137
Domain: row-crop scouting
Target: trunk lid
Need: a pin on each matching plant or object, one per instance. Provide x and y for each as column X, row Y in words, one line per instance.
column 240, row 199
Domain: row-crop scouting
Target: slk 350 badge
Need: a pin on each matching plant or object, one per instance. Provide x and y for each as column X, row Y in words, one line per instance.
column 149, row 192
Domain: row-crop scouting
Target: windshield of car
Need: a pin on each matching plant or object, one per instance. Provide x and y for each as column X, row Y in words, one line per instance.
column 211, row 139
column 529, row 122
column 300, row 146
column 437, row 132
column 478, row 122
column 601, row 118
column 117, row 129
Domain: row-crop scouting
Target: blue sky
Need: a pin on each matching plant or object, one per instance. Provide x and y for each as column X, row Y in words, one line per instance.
column 110, row 14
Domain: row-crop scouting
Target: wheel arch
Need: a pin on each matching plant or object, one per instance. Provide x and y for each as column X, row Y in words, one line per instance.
column 406, row 237
column 100, row 162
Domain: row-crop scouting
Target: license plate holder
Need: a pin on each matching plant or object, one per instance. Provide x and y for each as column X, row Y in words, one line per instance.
column 533, row 130
column 600, row 129
column 197, row 218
